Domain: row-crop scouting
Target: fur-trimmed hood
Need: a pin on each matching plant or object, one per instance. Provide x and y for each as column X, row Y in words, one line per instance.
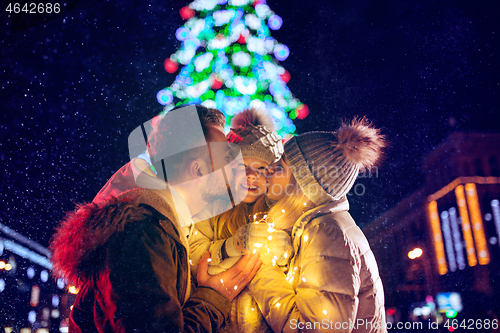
column 77, row 245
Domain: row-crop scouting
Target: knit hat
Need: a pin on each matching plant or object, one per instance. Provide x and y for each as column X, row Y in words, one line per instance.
column 253, row 131
column 326, row 164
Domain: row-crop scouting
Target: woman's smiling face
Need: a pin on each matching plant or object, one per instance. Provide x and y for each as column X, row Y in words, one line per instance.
column 279, row 177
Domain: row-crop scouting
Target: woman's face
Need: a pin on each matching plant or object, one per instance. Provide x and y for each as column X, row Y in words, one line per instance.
column 279, row 177
column 250, row 179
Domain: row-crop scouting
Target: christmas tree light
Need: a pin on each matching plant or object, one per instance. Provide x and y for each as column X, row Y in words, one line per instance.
column 229, row 61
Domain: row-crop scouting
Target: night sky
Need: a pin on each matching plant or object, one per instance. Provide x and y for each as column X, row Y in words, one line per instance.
column 73, row 89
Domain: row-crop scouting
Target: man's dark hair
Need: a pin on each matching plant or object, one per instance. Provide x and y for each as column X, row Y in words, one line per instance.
column 174, row 166
column 208, row 117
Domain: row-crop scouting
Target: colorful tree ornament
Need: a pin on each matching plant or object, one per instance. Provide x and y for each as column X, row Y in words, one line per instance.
column 302, row 111
column 274, row 22
column 286, row 76
column 217, row 83
column 229, row 61
column 186, row 13
column 281, row 52
column 164, row 97
column 242, row 39
column 170, row 66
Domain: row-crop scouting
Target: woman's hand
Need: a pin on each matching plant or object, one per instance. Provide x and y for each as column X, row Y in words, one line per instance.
column 275, row 246
column 247, row 238
column 278, row 250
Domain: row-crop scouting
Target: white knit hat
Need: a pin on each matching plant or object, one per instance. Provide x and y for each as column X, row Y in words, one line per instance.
column 253, row 131
column 326, row 164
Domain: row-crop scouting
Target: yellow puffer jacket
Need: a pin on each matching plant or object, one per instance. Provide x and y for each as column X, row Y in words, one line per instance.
column 202, row 239
column 245, row 315
column 333, row 283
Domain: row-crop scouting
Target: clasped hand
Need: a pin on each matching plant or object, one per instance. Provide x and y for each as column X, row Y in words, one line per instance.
column 231, row 282
column 275, row 246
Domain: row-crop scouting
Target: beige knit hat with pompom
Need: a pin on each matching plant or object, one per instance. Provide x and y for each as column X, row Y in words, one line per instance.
column 326, row 164
column 253, row 131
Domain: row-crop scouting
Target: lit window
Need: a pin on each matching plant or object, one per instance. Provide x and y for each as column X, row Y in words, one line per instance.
column 55, row 301
column 30, row 272
column 32, row 317
column 44, row 276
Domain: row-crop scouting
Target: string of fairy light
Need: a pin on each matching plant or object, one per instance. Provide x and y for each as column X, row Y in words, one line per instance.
column 229, row 61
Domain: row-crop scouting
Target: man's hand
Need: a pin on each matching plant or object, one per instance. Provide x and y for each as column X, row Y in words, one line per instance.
column 231, row 282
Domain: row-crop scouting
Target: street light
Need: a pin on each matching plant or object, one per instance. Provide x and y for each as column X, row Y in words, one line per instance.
column 419, row 253
column 6, row 266
column 415, row 253
column 73, row 290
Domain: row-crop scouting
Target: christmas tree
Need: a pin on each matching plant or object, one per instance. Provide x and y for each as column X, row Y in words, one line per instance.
column 229, row 61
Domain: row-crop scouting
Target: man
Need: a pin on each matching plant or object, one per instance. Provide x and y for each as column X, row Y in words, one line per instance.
column 184, row 134
column 128, row 255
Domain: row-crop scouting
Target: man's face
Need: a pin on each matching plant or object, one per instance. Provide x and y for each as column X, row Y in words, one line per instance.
column 220, row 156
column 219, row 147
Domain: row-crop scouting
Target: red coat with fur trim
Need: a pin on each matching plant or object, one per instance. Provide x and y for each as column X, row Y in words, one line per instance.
column 131, row 266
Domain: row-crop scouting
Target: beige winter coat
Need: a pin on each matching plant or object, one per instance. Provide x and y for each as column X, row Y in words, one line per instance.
column 333, row 283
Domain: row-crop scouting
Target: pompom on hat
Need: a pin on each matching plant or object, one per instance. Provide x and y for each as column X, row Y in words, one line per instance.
column 254, row 132
column 326, row 164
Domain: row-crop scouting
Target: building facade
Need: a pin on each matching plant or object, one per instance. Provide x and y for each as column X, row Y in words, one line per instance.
column 445, row 237
column 31, row 300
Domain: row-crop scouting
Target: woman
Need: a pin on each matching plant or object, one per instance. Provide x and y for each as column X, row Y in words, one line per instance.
column 230, row 235
column 279, row 177
column 333, row 282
